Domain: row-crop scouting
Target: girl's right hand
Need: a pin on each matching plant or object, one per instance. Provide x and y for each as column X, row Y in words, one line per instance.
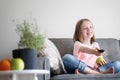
column 99, row 53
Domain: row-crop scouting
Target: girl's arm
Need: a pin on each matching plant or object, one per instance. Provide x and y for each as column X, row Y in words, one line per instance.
column 90, row 51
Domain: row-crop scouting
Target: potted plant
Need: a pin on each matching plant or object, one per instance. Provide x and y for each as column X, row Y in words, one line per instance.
column 30, row 43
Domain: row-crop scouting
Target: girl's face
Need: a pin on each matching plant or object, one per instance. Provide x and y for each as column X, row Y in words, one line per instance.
column 87, row 30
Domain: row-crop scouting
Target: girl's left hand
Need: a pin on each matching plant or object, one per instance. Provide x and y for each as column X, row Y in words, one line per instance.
column 103, row 62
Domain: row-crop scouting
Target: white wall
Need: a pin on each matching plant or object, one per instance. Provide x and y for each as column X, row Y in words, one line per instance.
column 57, row 18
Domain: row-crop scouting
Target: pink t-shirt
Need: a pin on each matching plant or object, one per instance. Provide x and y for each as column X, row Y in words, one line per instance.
column 88, row 59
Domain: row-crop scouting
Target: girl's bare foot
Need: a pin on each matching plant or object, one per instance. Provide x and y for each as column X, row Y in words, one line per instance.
column 77, row 72
column 109, row 71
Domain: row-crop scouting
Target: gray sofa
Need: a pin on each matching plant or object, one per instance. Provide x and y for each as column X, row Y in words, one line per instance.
column 65, row 46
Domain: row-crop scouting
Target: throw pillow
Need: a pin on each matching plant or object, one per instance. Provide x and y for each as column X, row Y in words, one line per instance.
column 51, row 52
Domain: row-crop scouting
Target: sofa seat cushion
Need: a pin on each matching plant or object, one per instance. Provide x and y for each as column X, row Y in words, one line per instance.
column 87, row 77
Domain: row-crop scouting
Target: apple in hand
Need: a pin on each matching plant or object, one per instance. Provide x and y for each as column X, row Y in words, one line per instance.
column 99, row 60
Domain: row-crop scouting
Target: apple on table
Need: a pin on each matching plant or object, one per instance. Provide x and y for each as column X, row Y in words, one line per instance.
column 17, row 64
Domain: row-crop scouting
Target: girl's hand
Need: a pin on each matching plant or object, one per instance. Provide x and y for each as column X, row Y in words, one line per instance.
column 101, row 63
column 99, row 53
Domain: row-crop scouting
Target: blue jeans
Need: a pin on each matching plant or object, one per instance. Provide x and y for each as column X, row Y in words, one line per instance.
column 71, row 63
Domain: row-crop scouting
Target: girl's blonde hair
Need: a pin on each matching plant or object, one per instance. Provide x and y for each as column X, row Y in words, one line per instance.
column 78, row 33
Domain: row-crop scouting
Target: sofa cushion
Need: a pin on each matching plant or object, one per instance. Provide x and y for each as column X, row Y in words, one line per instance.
column 64, row 45
column 111, row 47
column 51, row 52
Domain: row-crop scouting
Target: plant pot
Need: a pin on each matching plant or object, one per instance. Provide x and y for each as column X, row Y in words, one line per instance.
column 29, row 56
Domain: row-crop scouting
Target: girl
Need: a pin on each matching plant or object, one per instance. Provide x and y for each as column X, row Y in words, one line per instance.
column 85, row 53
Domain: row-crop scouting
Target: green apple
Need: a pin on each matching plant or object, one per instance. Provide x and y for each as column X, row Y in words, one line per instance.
column 99, row 59
column 17, row 64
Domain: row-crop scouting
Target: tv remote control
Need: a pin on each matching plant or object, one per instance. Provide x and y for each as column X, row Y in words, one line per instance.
column 101, row 50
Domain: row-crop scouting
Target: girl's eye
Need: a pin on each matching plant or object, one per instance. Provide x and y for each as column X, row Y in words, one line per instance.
column 85, row 28
column 91, row 27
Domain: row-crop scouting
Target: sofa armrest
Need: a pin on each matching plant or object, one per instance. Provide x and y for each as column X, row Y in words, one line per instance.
column 43, row 63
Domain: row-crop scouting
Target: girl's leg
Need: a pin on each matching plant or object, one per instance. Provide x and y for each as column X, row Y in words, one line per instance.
column 114, row 64
column 72, row 64
column 91, row 71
